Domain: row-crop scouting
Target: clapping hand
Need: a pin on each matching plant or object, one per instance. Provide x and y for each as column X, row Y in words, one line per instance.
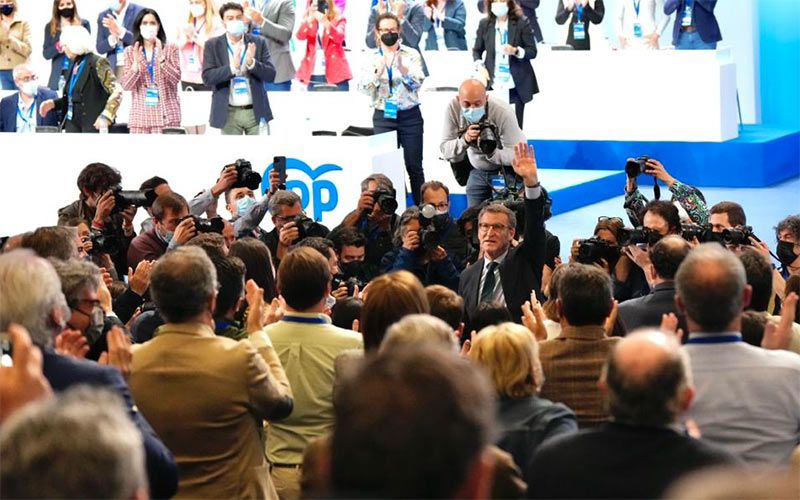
column 139, row 280
column 524, row 164
column 250, row 55
column 669, row 325
column 779, row 336
column 22, row 382
column 111, row 23
column 119, row 354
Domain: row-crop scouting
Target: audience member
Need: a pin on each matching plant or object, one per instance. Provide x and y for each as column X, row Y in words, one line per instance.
column 274, row 21
column 258, row 263
column 324, row 247
column 448, row 306
column 485, row 315
column 19, row 112
column 411, row 23
column 417, row 330
column 787, row 232
column 217, row 391
column 15, row 35
column 236, row 66
column 505, row 36
column 346, row 311
column 59, row 242
column 307, row 345
column 649, row 386
column 636, row 24
column 172, row 227
column 202, row 23
column 213, row 244
column 572, row 361
column 115, row 32
column 65, row 13
column 580, row 13
column 476, row 166
column 510, row 356
column 529, row 9
column 712, row 292
column 152, row 72
column 325, row 61
column 550, row 308
column 390, row 297
column 695, row 26
column 444, row 25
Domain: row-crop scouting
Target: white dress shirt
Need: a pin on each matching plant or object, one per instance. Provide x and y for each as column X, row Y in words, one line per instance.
column 501, row 56
column 234, row 99
column 26, row 116
column 120, row 18
column 626, row 18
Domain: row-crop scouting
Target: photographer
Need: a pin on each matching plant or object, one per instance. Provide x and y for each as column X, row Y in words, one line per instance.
column 349, row 246
column 478, row 139
column 436, row 194
column 659, row 218
column 375, row 218
column 171, row 229
column 415, row 254
column 96, row 206
column 291, row 224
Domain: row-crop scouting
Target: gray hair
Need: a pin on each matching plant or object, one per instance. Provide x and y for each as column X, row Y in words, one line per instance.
column 79, row 445
column 380, row 179
column 409, row 214
column 77, row 276
column 29, row 293
column 283, row 197
column 60, row 242
column 77, row 39
column 416, row 329
column 710, row 282
column 181, row 283
column 22, row 66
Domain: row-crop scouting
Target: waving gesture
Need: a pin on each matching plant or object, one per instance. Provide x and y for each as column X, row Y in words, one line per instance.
column 524, row 163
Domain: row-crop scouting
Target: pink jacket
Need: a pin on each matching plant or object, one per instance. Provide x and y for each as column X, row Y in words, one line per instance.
column 336, row 67
column 166, row 76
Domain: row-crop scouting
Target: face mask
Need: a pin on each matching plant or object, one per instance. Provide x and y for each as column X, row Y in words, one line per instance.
column 330, row 302
column 389, row 39
column 242, row 204
column 197, row 10
column 6, row 9
column 441, row 219
column 68, row 12
column 114, row 5
column 166, row 236
column 352, row 269
column 499, row 9
column 94, row 330
column 148, row 31
column 30, row 88
column 235, row 27
column 473, row 115
column 786, row 252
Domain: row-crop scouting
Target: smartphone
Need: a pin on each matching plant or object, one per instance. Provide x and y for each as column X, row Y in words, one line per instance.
column 5, row 347
column 279, row 164
column 322, row 6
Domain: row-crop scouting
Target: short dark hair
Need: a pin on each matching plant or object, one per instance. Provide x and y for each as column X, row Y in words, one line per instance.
column 446, row 305
column 345, row 311
column 303, row 277
column 489, row 314
column 791, row 224
column 182, row 282
column 759, row 276
column 347, row 236
column 666, row 211
column 435, row 185
column 258, row 260
column 384, row 16
column 97, row 177
column 230, row 276
column 667, row 254
column 321, row 245
column 753, row 323
column 735, row 212
column 230, row 6
column 172, row 201
column 212, row 243
column 410, row 424
column 153, row 182
column 52, row 241
column 585, row 293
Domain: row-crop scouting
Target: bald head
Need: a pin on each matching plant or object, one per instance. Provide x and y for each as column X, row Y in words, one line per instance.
column 472, row 94
column 668, row 254
column 648, row 379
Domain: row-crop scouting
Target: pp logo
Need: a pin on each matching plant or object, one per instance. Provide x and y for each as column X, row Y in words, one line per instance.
column 321, row 193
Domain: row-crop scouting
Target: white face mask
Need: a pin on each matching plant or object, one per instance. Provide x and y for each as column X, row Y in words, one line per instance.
column 30, row 88
column 148, row 31
column 197, row 9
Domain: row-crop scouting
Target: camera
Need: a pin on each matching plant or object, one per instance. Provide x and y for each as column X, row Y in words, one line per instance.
column 628, row 236
column 430, row 228
column 595, row 249
column 351, row 283
column 105, row 243
column 124, row 199
column 213, row 225
column 488, row 137
column 739, row 235
column 703, row 233
column 633, row 168
column 386, row 199
column 306, row 226
column 245, row 177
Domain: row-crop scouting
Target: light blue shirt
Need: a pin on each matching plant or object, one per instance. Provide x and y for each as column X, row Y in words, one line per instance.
column 26, row 117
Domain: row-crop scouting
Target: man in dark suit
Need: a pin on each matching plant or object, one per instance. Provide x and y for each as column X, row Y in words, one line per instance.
column 648, row 384
column 41, row 308
column 235, row 66
column 19, row 112
column 508, row 274
column 665, row 257
column 412, row 23
column 115, row 32
column 529, row 9
column 695, row 25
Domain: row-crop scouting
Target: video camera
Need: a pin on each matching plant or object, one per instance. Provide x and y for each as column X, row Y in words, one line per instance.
column 124, row 199
column 595, row 249
column 213, row 225
column 628, row 236
column 245, row 177
column 386, row 199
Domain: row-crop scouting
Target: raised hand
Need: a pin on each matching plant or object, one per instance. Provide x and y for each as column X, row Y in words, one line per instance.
column 71, row 343
column 524, row 164
column 669, row 325
column 778, row 336
column 119, row 354
column 23, row 382
column 139, row 280
column 254, row 295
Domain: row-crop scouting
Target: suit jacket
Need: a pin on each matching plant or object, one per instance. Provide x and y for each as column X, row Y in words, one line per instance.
column 277, row 30
column 529, row 9
column 594, row 15
column 588, row 464
column 519, row 35
column 217, row 74
column 572, row 363
column 166, row 75
column 64, row 372
column 92, row 94
column 207, row 395
column 336, row 67
column 103, row 47
column 520, row 272
column 455, row 36
column 702, row 15
column 647, row 310
column 411, row 28
column 8, row 110
column 49, row 51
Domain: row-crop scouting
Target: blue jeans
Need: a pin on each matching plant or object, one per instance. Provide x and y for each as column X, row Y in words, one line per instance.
column 341, row 86
column 7, row 79
column 278, row 87
column 479, row 184
column 692, row 41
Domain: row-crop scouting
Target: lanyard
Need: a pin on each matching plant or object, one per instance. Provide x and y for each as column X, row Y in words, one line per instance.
column 719, row 339
column 222, row 324
column 579, row 8
column 74, row 78
column 30, row 112
column 303, row 319
column 636, row 5
column 389, row 68
column 244, row 52
column 151, row 65
column 197, row 30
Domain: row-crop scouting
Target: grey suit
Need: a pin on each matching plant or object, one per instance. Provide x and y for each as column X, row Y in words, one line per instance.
column 411, row 28
column 277, row 30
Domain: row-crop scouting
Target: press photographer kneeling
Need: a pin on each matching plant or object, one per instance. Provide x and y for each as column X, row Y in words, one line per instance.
column 478, row 140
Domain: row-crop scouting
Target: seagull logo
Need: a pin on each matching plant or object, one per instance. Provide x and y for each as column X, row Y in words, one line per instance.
column 320, row 193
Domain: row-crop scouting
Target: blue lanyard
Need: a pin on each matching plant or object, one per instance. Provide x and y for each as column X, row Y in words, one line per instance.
column 303, row 319
column 389, row 68
column 151, row 66
column 579, row 8
column 636, row 5
column 30, row 113
column 222, row 324
column 503, row 35
column 73, row 78
column 244, row 52
column 719, row 339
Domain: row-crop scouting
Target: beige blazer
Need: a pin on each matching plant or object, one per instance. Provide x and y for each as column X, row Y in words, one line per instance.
column 16, row 47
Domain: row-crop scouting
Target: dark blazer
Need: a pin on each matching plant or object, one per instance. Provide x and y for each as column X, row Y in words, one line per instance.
column 589, row 464
column 64, row 372
column 411, row 28
column 89, row 96
column 702, row 15
column 519, row 35
column 589, row 15
column 647, row 310
column 217, row 74
column 8, row 110
column 455, row 36
column 49, row 51
column 520, row 272
column 529, row 9
column 103, row 48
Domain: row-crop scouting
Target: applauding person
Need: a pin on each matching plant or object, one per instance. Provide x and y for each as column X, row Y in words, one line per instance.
column 152, row 72
column 325, row 61
column 65, row 13
column 444, row 24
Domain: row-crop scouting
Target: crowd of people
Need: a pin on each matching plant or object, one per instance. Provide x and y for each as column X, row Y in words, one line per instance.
column 407, row 354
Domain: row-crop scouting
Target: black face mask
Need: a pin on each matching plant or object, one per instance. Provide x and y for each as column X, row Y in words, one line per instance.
column 68, row 12
column 352, row 269
column 786, row 252
column 7, row 9
column 389, row 39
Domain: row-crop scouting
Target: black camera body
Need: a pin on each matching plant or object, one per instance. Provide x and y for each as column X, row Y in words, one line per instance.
column 351, row 282
column 322, row 6
column 702, row 232
column 213, row 225
column 628, row 236
column 306, row 226
column 488, row 137
column 386, row 199
column 245, row 177
column 739, row 235
column 635, row 167
column 103, row 242
column 124, row 199
column 430, row 229
column 595, row 249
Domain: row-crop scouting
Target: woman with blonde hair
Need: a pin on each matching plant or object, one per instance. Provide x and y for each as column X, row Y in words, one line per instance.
column 510, row 356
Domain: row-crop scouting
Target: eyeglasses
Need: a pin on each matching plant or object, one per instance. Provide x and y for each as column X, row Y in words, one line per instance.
column 441, row 206
column 484, row 228
column 604, row 218
column 94, row 303
column 287, row 218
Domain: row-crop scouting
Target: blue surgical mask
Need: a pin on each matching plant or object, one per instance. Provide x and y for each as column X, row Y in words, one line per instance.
column 166, row 236
column 235, row 27
column 114, row 5
column 499, row 9
column 473, row 115
column 242, row 204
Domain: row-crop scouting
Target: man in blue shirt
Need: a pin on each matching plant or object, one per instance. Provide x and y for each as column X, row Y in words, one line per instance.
column 19, row 112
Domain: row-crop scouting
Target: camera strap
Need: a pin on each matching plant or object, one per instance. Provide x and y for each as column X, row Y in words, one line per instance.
column 656, row 189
